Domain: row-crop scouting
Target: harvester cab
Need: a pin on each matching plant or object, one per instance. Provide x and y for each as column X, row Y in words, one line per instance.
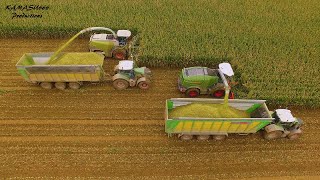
column 194, row 81
column 123, row 36
column 128, row 74
column 111, row 44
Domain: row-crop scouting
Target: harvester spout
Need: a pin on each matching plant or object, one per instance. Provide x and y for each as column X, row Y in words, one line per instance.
column 53, row 57
column 98, row 29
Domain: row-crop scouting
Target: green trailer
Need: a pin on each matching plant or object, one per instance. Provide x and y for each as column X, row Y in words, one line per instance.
column 279, row 123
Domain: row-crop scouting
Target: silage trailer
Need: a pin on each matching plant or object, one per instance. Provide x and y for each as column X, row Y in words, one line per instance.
column 279, row 123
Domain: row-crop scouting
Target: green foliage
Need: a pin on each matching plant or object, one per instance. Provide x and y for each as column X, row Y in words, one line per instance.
column 274, row 45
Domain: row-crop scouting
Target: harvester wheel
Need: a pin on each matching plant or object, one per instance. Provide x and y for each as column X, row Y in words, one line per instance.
column 74, row 85
column 218, row 93
column 60, row 85
column 193, row 92
column 120, row 84
column 119, row 54
column 219, row 137
column 203, row 137
column 186, row 137
column 295, row 134
column 143, row 85
column 46, row 85
column 272, row 135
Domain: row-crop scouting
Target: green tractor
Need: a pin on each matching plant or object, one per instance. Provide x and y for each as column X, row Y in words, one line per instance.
column 194, row 81
column 116, row 45
column 128, row 74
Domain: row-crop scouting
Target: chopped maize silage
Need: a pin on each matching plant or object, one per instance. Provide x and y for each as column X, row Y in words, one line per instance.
column 89, row 58
column 203, row 110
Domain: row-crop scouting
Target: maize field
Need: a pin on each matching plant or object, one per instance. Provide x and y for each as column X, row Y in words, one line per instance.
column 273, row 45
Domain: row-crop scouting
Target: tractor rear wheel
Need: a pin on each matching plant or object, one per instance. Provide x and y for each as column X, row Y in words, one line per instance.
column 193, row 92
column 295, row 134
column 120, row 84
column 60, row 85
column 272, row 135
column 46, row 85
column 74, row 85
column 119, row 54
column 143, row 85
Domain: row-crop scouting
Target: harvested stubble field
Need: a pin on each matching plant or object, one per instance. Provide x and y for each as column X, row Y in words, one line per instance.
column 98, row 132
column 272, row 44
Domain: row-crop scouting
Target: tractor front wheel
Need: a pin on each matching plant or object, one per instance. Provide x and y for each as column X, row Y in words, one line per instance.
column 143, row 85
column 120, row 84
column 295, row 134
column 272, row 135
column 192, row 92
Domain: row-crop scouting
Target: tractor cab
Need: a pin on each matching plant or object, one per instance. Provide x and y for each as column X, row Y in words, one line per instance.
column 130, row 68
column 286, row 119
column 123, row 36
column 126, row 67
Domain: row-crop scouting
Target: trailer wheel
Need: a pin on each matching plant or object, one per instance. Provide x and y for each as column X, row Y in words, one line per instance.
column 74, row 85
column 272, row 135
column 143, row 85
column 219, row 137
column 60, row 85
column 186, row 137
column 120, row 84
column 193, row 92
column 203, row 137
column 295, row 134
column 46, row 85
